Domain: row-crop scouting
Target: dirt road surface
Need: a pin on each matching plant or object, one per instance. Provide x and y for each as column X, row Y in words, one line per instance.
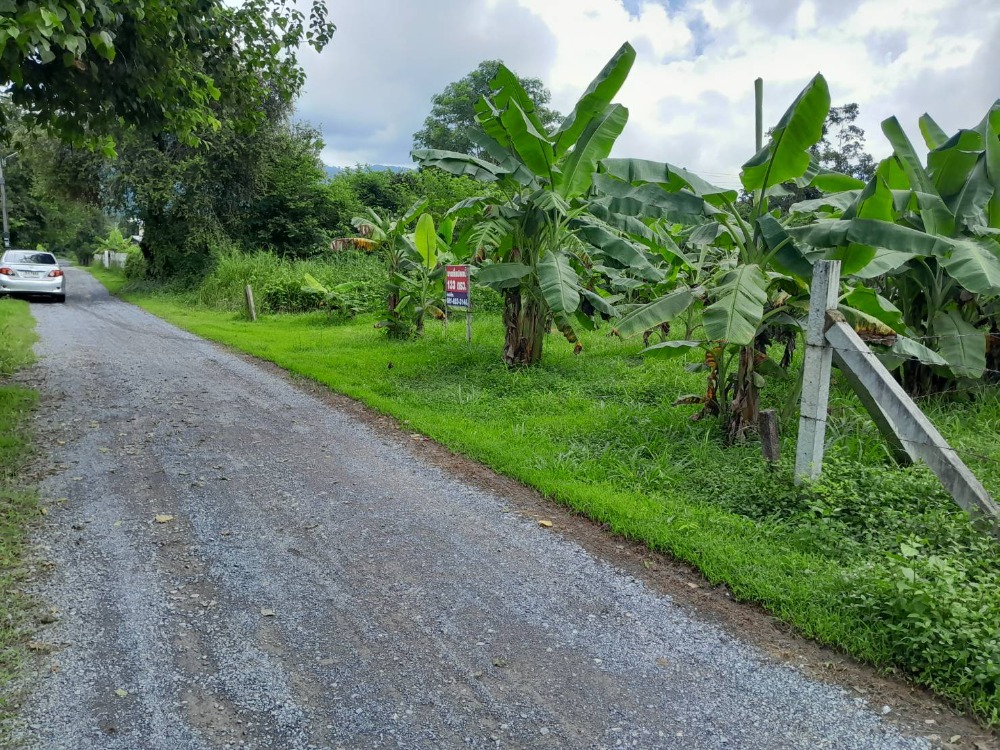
column 312, row 583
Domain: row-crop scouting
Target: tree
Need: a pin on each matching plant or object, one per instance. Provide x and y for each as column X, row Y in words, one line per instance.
column 453, row 111
column 263, row 187
column 82, row 68
column 52, row 192
column 540, row 238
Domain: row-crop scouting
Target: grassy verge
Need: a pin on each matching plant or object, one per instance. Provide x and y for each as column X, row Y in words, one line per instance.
column 18, row 501
column 113, row 280
column 873, row 559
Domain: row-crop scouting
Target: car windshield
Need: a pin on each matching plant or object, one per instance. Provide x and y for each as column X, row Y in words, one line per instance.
column 29, row 256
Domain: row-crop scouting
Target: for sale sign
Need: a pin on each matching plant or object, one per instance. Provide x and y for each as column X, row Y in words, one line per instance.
column 456, row 286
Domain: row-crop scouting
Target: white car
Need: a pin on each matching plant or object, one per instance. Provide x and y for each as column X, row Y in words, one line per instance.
column 32, row 272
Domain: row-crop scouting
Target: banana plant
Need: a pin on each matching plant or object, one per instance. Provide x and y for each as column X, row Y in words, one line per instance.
column 538, row 257
column 390, row 236
column 419, row 280
column 925, row 237
column 759, row 279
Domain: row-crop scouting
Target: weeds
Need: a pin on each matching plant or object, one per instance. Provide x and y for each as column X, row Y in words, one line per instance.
column 18, row 502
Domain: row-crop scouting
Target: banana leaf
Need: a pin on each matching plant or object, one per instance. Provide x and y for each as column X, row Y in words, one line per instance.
column 836, row 203
column 659, row 311
column 502, row 275
column 960, row 344
column 425, row 238
column 458, row 164
column 908, row 159
column 933, row 135
column 558, row 282
column 595, row 99
column 578, row 167
column 601, row 304
column 975, row 265
column 738, row 306
column 507, row 91
column 786, row 156
column 787, row 258
column 949, row 165
column 671, row 349
column 670, row 177
column 874, row 305
column 530, row 143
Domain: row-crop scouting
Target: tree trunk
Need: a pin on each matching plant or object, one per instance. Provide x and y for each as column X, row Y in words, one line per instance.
column 524, row 320
column 744, row 407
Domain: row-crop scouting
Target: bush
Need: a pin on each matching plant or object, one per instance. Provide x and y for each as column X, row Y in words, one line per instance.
column 135, row 264
column 278, row 283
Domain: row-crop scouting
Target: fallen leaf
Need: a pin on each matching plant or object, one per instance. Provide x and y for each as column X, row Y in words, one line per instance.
column 955, row 738
column 117, row 524
column 43, row 510
column 102, row 449
column 662, row 662
column 41, row 647
column 77, row 479
column 163, row 518
column 265, row 612
column 121, row 693
column 546, row 524
column 500, row 663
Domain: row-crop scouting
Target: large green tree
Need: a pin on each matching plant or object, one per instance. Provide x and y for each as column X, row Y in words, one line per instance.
column 80, row 69
column 453, row 111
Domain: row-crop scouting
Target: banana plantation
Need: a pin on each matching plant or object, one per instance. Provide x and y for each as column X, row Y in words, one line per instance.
column 575, row 240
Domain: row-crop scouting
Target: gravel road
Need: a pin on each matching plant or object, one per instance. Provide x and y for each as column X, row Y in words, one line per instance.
column 320, row 587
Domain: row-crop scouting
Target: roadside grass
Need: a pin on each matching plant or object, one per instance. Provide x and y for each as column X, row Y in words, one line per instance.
column 112, row 279
column 874, row 559
column 18, row 502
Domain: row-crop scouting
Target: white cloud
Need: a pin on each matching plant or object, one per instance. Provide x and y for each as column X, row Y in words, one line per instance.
column 690, row 94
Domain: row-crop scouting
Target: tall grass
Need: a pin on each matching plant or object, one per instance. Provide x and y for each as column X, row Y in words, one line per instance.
column 277, row 282
column 18, row 503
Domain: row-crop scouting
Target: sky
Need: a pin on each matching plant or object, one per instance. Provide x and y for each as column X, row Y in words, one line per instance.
column 690, row 92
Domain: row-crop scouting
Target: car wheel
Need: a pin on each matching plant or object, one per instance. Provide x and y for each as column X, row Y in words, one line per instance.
column 60, row 298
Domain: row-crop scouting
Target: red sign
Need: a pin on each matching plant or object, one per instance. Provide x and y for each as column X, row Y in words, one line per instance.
column 456, row 286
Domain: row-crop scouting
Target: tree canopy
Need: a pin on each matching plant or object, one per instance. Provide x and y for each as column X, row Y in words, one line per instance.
column 453, row 110
column 82, row 69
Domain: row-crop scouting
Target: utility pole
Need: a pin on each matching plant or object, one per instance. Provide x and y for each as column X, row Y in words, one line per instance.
column 3, row 199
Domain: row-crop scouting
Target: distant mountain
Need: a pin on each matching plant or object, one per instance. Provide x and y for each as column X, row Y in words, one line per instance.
column 334, row 171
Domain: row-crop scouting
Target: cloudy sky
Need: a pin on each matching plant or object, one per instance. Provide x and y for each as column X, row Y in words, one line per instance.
column 690, row 94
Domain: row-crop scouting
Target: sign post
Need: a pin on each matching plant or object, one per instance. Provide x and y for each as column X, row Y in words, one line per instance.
column 458, row 293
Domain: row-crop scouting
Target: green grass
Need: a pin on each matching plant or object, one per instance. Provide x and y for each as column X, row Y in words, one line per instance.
column 874, row 559
column 18, row 501
column 112, row 279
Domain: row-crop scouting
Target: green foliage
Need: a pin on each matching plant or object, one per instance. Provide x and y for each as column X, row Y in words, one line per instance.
column 340, row 300
column 264, row 189
column 278, row 282
column 453, row 111
column 18, row 502
column 924, row 237
column 80, row 69
column 354, row 190
column 544, row 179
column 52, row 192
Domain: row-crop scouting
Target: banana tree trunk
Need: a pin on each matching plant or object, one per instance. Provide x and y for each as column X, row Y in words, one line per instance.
column 524, row 320
column 744, row 407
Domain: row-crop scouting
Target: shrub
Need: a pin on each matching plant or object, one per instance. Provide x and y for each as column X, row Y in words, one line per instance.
column 278, row 282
